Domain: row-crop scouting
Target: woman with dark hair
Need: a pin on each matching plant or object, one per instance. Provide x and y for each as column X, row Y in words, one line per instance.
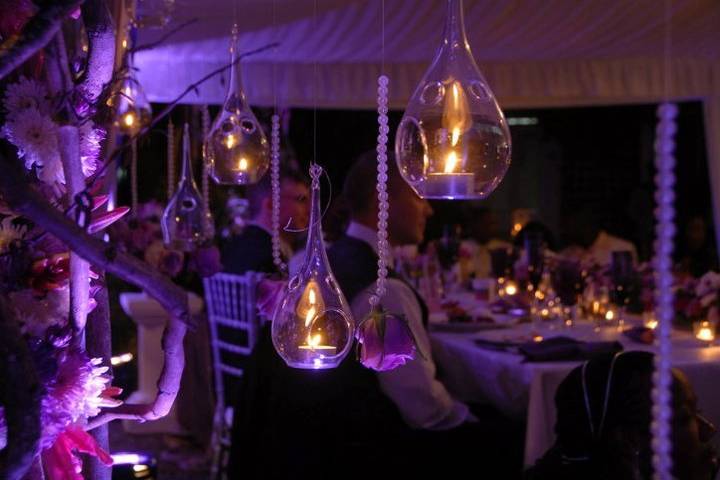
column 603, row 425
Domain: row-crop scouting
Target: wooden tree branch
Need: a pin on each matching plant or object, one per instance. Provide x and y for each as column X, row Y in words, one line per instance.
column 20, row 395
column 79, row 268
column 98, row 345
column 37, row 33
column 101, row 55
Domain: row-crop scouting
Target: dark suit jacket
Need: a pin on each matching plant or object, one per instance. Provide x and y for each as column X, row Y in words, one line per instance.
column 249, row 251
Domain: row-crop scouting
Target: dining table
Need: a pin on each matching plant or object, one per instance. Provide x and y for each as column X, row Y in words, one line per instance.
column 475, row 372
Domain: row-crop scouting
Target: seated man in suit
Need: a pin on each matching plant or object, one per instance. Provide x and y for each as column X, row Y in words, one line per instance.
column 422, row 400
column 252, row 249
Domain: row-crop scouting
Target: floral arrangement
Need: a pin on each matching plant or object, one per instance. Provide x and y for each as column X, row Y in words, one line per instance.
column 698, row 299
column 141, row 235
column 35, row 277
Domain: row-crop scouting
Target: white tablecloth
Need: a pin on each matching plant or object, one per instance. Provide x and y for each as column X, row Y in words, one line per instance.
column 527, row 390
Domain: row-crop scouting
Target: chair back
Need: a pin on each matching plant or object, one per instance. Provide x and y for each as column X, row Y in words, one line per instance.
column 234, row 328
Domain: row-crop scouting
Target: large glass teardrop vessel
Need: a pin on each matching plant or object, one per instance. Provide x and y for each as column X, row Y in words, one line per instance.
column 453, row 141
column 239, row 151
column 132, row 109
column 184, row 222
column 313, row 327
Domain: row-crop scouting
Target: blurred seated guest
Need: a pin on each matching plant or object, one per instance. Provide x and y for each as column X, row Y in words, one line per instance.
column 604, row 411
column 251, row 250
column 588, row 242
column 538, row 230
column 696, row 253
column 482, row 236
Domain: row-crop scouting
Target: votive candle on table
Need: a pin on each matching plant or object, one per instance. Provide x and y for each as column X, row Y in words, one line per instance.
column 704, row 331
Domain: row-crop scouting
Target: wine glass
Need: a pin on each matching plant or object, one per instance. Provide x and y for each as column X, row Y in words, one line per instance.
column 622, row 275
column 534, row 246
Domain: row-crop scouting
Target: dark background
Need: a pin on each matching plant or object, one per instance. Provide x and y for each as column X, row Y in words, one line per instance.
column 598, row 158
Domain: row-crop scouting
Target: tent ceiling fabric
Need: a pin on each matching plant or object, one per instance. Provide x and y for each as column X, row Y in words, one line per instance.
column 533, row 52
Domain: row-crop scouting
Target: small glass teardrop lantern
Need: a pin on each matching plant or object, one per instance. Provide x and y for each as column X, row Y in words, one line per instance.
column 313, row 327
column 132, row 109
column 184, row 222
column 453, row 141
column 239, row 151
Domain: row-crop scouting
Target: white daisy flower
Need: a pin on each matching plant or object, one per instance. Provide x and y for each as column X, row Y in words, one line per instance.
column 9, row 233
column 26, row 94
column 36, row 137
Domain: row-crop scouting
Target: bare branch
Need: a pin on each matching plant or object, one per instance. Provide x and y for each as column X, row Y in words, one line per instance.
column 101, row 55
column 151, row 45
column 115, row 154
column 37, row 33
column 79, row 269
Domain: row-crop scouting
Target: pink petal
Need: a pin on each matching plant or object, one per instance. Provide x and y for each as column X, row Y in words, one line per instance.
column 106, row 219
column 99, row 201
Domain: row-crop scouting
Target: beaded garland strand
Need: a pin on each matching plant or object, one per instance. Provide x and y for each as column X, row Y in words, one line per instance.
column 275, row 184
column 664, row 231
column 382, row 194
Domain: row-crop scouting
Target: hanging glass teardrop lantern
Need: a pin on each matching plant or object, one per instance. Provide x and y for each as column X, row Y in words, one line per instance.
column 313, row 327
column 453, row 141
column 239, row 151
column 183, row 221
column 132, row 109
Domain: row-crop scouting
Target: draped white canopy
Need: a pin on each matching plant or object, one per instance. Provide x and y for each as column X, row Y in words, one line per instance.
column 534, row 53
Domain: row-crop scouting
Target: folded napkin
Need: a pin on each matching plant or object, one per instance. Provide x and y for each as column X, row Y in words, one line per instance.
column 565, row 348
column 640, row 335
column 553, row 349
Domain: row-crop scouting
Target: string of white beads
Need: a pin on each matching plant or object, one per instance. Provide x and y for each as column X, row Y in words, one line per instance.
column 383, row 204
column 665, row 231
column 275, row 183
column 170, row 160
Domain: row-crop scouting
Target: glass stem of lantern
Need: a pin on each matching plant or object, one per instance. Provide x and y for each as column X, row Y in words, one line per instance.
column 235, row 91
column 314, row 239
column 454, row 34
column 186, row 171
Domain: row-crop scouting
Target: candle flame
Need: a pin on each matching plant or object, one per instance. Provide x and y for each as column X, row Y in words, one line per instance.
column 129, row 119
column 511, row 289
column 314, row 340
column 230, row 141
column 609, row 315
column 451, row 162
column 651, row 324
column 242, row 164
column 309, row 316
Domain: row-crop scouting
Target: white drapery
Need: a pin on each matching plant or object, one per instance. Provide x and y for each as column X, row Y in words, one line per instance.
column 534, row 53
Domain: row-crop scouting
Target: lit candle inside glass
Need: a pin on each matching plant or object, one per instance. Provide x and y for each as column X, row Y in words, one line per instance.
column 456, row 119
column 704, row 331
column 449, row 183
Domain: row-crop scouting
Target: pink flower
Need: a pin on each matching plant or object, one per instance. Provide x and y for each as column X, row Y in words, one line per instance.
column 206, row 261
column 268, row 294
column 61, row 461
column 386, row 341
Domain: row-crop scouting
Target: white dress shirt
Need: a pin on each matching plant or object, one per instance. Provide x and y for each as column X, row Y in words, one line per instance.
column 423, row 401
